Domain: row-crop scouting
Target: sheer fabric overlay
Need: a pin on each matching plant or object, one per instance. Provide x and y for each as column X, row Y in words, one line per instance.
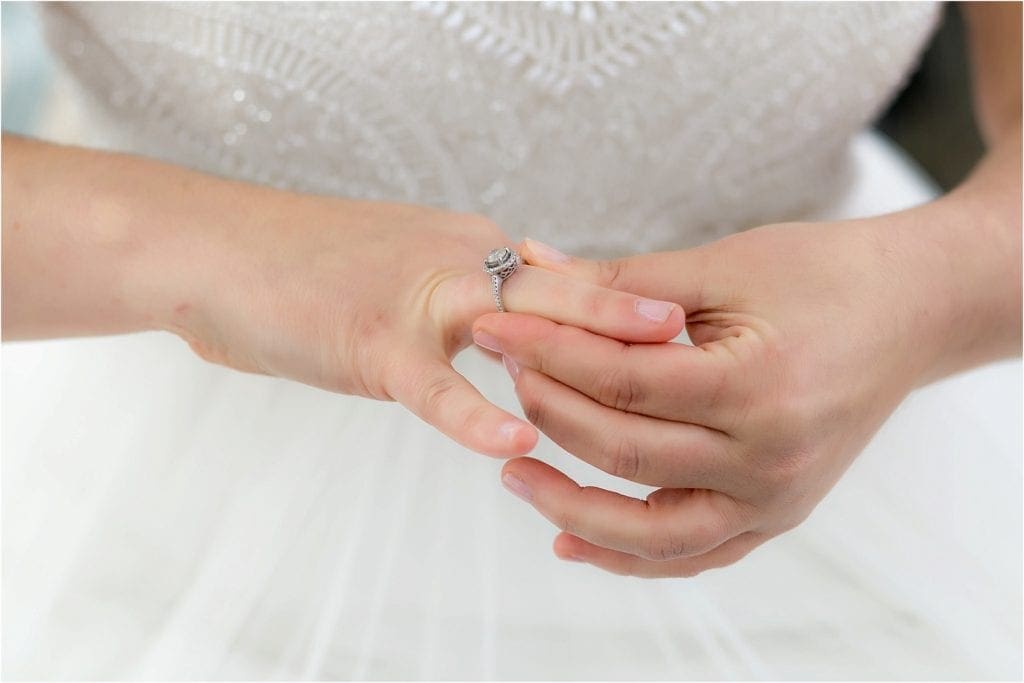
column 166, row 518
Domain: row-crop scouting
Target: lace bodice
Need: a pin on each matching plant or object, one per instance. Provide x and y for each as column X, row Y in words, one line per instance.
column 599, row 127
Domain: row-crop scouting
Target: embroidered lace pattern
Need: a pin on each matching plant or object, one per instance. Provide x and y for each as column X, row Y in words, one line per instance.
column 600, row 127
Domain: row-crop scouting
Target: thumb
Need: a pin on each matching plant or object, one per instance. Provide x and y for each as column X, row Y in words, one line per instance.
column 676, row 276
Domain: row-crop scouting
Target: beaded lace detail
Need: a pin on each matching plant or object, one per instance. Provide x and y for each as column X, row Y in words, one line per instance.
column 599, row 127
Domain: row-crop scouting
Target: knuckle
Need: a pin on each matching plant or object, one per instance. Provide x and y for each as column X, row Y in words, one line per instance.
column 565, row 519
column 534, row 407
column 782, row 475
column 777, row 479
column 670, row 545
column 618, row 389
column 436, row 392
column 624, row 458
column 473, row 418
column 664, row 546
column 688, row 569
column 534, row 413
column 609, row 273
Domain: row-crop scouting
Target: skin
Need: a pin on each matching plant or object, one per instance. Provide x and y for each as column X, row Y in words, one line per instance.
column 331, row 292
column 806, row 337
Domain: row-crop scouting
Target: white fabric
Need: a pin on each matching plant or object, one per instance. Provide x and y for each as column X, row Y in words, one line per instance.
column 595, row 126
column 166, row 518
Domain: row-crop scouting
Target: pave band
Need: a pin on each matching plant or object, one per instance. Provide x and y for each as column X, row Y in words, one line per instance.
column 500, row 264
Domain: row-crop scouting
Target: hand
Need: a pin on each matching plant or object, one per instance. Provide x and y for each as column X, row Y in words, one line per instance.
column 360, row 297
column 806, row 338
column 373, row 299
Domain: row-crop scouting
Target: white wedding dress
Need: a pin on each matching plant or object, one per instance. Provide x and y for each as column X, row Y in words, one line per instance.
column 167, row 518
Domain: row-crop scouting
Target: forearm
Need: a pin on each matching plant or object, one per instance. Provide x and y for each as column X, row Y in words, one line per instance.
column 956, row 266
column 960, row 257
column 101, row 243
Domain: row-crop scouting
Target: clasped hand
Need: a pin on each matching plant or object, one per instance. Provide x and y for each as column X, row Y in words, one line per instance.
column 797, row 360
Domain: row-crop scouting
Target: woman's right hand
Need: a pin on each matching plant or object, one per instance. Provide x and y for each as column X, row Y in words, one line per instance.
column 368, row 298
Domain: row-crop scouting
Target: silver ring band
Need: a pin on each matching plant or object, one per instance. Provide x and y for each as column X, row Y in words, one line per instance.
column 500, row 264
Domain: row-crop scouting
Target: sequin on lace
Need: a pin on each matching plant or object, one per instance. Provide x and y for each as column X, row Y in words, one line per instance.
column 599, row 127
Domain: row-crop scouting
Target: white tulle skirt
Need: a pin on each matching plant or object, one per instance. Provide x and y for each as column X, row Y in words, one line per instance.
column 167, row 518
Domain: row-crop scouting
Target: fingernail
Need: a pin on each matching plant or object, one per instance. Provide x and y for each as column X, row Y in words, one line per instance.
column 655, row 311
column 488, row 341
column 573, row 558
column 511, row 366
column 510, row 429
column 545, row 252
column 517, row 486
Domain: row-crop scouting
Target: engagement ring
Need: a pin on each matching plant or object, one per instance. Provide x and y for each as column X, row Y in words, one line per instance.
column 500, row 264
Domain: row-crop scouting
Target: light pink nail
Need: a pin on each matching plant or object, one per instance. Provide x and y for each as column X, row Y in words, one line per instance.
column 517, row 486
column 545, row 252
column 655, row 311
column 488, row 341
column 573, row 558
column 511, row 366
column 510, row 429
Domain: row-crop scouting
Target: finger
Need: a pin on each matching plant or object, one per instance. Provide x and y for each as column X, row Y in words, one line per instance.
column 569, row 547
column 671, row 381
column 670, row 524
column 445, row 399
column 566, row 300
column 635, row 447
column 677, row 276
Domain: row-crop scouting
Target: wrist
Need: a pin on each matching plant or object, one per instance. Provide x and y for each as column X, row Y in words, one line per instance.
column 196, row 227
column 957, row 279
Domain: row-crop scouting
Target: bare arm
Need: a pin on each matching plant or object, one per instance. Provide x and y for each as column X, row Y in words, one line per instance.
column 331, row 292
column 76, row 225
column 977, row 226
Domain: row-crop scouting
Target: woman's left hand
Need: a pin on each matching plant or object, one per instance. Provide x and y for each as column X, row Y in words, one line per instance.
column 806, row 337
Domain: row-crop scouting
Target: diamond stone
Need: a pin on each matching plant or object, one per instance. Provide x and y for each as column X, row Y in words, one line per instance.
column 497, row 257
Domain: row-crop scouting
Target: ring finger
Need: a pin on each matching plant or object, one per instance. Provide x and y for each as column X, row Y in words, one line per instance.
column 568, row 301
